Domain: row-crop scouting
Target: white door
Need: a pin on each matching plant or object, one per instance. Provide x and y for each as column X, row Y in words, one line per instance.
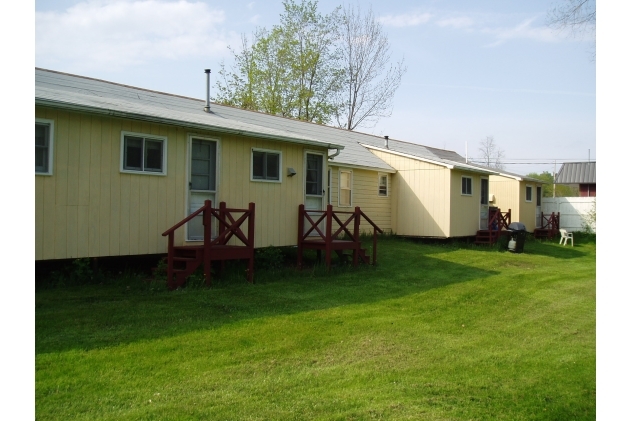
column 538, row 209
column 484, row 203
column 202, row 183
column 314, row 191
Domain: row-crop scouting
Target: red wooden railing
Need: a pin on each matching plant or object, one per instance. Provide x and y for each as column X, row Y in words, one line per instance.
column 549, row 226
column 551, row 222
column 328, row 236
column 229, row 227
column 498, row 221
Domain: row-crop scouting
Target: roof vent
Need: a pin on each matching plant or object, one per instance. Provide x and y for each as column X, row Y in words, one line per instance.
column 207, row 107
column 386, row 142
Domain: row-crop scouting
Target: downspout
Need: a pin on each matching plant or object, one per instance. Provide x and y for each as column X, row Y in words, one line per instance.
column 207, row 106
column 337, row 152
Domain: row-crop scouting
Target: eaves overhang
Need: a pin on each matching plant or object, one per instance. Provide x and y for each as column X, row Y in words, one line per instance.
column 520, row 178
column 447, row 164
column 252, row 132
column 333, row 163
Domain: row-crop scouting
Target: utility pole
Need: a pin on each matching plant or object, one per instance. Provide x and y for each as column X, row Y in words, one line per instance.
column 554, row 177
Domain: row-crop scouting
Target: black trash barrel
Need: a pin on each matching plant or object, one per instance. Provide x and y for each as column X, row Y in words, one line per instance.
column 518, row 234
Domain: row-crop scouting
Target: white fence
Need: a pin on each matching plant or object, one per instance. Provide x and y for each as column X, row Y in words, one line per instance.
column 573, row 210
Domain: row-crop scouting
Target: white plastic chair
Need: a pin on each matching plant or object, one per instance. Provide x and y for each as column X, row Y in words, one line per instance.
column 566, row 236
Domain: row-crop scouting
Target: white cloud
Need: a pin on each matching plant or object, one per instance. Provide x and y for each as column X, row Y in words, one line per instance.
column 251, row 5
column 412, row 19
column 524, row 30
column 458, row 23
column 254, row 19
column 123, row 33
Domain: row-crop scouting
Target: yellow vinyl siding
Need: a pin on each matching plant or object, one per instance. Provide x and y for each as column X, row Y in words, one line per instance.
column 88, row 208
column 506, row 192
column 276, row 203
column 465, row 209
column 365, row 194
column 511, row 194
column 527, row 209
column 421, row 196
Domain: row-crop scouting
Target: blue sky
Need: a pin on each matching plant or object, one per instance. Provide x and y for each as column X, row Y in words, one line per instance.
column 475, row 69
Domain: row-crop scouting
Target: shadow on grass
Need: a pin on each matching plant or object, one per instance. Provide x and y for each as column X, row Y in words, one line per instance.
column 532, row 246
column 96, row 316
column 552, row 249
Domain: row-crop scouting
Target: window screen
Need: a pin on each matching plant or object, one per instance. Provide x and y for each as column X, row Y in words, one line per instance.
column 528, row 194
column 383, row 185
column 265, row 165
column 466, row 185
column 203, row 161
column 345, row 188
column 313, row 183
column 143, row 154
column 42, row 147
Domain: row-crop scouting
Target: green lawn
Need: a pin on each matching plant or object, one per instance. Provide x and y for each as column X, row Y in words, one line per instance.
column 434, row 332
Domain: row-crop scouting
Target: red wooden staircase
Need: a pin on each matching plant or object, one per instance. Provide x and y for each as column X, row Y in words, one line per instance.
column 498, row 222
column 549, row 226
column 343, row 242
column 183, row 261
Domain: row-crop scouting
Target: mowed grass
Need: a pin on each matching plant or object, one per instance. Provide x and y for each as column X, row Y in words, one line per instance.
column 434, row 332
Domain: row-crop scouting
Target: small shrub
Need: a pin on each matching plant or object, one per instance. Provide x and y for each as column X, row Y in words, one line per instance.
column 72, row 273
column 197, row 279
column 160, row 272
column 589, row 220
column 270, row 258
column 81, row 271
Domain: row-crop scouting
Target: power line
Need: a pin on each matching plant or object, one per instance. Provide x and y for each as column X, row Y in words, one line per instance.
column 538, row 159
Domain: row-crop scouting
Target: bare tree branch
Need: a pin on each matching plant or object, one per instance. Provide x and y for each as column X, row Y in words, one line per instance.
column 492, row 155
column 577, row 16
column 368, row 91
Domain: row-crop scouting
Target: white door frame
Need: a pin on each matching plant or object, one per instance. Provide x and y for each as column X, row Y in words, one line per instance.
column 323, row 194
column 323, row 175
column 187, row 180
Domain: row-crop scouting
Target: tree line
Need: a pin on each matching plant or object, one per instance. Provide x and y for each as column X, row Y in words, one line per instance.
column 325, row 68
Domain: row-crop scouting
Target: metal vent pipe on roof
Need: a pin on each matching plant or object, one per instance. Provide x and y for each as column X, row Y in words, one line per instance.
column 386, row 142
column 207, row 107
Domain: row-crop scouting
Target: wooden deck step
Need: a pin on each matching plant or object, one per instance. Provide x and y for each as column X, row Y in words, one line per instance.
column 484, row 237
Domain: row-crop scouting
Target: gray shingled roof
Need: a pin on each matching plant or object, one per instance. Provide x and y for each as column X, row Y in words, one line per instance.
column 441, row 156
column 75, row 92
column 577, row 173
column 83, row 93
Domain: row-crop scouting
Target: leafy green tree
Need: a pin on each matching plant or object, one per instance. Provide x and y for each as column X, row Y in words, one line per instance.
column 562, row 190
column 291, row 70
column 315, row 67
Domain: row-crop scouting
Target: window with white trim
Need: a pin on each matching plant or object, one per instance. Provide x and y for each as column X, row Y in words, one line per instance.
column 467, row 184
column 143, row 154
column 528, row 193
column 383, row 185
column 266, row 165
column 345, row 188
column 43, row 146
